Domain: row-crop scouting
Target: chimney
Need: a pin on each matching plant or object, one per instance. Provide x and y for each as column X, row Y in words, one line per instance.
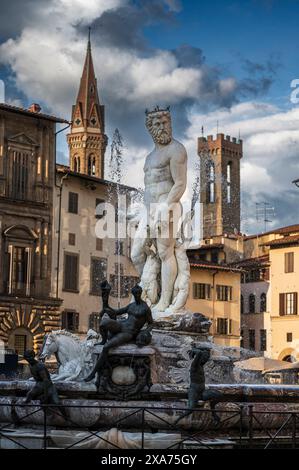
column 35, row 108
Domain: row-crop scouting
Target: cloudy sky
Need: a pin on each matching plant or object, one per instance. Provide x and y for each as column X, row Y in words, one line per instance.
column 228, row 62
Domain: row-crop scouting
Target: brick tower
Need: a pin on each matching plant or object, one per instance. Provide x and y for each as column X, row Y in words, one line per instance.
column 87, row 140
column 220, row 184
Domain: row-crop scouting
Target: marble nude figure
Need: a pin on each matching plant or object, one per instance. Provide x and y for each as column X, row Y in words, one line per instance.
column 158, row 250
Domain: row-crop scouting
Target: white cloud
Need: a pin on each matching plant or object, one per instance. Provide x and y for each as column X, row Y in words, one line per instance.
column 46, row 59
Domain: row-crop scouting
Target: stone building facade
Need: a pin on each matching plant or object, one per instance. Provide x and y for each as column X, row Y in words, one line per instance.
column 270, row 293
column 215, row 292
column 220, row 184
column 27, row 177
column 81, row 260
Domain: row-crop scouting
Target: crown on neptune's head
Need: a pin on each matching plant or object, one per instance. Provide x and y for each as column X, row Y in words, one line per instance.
column 157, row 110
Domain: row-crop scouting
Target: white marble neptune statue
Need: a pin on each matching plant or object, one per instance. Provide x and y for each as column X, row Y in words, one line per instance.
column 158, row 251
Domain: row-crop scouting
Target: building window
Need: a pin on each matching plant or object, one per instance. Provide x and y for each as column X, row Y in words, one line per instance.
column 211, row 184
column 252, row 340
column 242, row 304
column 201, row 291
column 263, row 340
column 228, row 182
column 289, row 262
column 98, row 274
column 288, row 303
column 72, row 239
column 224, row 326
column 70, row 320
column 73, row 203
column 252, row 303
column 19, row 270
column 289, row 337
column 263, row 303
column 224, row 293
column 20, row 172
column 253, row 275
column 99, row 213
column 119, row 248
column 71, row 272
column 18, row 261
column 122, row 289
column 95, row 321
column 99, row 244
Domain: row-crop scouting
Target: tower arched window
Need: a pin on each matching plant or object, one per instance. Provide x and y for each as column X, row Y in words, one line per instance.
column 263, row 303
column 229, row 182
column 91, row 165
column 252, row 303
column 211, row 183
column 77, row 164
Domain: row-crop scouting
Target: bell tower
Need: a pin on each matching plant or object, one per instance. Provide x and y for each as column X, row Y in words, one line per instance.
column 87, row 140
column 220, row 184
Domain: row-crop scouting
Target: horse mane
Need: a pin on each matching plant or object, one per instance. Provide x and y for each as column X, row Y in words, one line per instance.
column 65, row 333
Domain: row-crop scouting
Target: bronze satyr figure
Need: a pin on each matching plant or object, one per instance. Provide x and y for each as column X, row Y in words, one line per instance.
column 197, row 390
column 44, row 390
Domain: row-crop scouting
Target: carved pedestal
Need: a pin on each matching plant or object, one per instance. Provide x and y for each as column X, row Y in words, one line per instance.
column 129, row 371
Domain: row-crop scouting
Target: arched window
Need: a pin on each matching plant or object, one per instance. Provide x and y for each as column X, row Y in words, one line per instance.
column 77, row 164
column 263, row 303
column 19, row 260
column 91, row 165
column 228, row 182
column 211, row 184
column 252, row 303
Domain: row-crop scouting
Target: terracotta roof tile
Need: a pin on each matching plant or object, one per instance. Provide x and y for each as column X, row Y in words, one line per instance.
column 218, row 267
column 8, row 107
column 283, row 241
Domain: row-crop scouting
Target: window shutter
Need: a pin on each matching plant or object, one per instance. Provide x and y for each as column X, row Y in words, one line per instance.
column 71, row 272
column 194, row 290
column 292, row 262
column 208, row 291
column 73, row 203
column 289, row 262
column 281, row 304
column 295, row 303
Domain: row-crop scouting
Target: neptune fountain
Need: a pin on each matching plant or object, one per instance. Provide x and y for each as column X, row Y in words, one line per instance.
column 143, row 362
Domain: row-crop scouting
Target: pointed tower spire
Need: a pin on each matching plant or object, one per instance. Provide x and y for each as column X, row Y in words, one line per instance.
column 89, row 34
column 88, row 123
